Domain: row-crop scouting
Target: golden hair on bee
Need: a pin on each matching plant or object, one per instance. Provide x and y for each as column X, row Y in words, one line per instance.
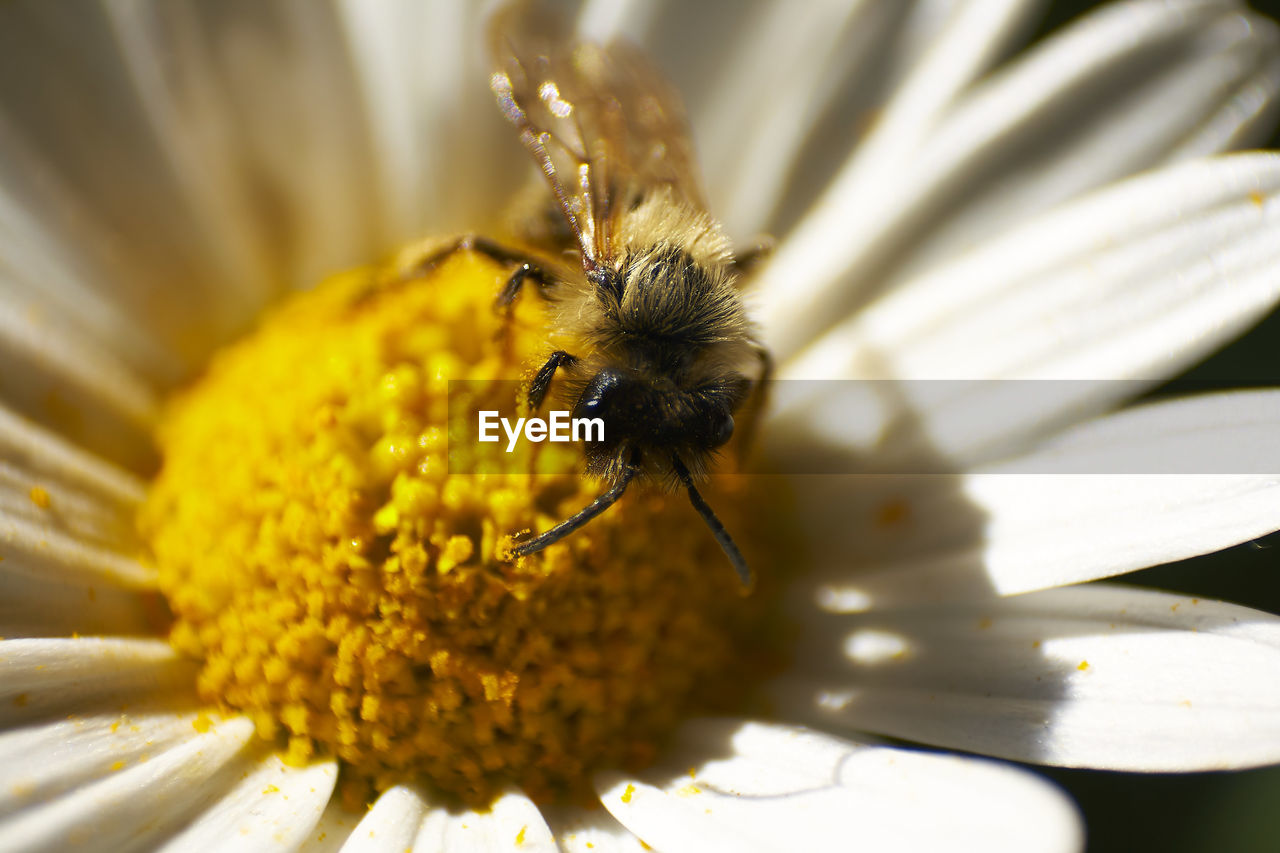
column 641, row 281
column 677, row 281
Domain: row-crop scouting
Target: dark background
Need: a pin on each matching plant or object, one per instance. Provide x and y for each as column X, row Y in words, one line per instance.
column 1235, row 811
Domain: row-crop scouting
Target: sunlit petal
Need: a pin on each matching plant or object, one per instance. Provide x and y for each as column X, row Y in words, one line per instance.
column 95, row 391
column 48, row 676
column 1151, row 485
column 392, row 824
column 33, row 605
column 603, row 20
column 271, row 807
column 1132, row 283
column 1096, row 676
column 757, row 786
column 853, row 45
column 332, row 830
column 136, row 806
column 444, row 150
column 850, row 240
column 33, row 547
column 1048, row 132
column 40, row 762
column 513, row 822
column 590, row 831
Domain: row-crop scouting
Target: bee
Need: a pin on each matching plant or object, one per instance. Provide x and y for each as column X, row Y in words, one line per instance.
column 666, row 354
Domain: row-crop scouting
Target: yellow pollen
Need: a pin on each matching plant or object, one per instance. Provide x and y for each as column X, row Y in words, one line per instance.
column 40, row 497
column 343, row 575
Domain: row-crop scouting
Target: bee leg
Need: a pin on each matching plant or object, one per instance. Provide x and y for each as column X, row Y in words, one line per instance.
column 433, row 259
column 492, row 249
column 745, row 262
column 542, row 380
column 577, row 520
column 727, row 544
column 506, row 299
column 525, row 272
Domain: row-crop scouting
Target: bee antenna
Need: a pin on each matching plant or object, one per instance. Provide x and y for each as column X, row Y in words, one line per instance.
column 727, row 544
column 581, row 517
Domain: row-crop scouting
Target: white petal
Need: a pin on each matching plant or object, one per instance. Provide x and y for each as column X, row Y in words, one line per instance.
column 332, row 830
column 1173, row 226
column 1115, row 524
column 44, row 454
column 1245, row 120
column 69, row 512
column 187, row 120
column 392, row 79
column 94, row 503
column 111, row 193
column 1095, row 676
column 35, row 547
column 391, row 825
column 604, row 20
column 61, row 564
column 757, row 786
column 43, row 677
column 753, row 125
column 973, row 38
column 278, row 77
column 271, row 807
column 98, row 403
column 229, row 153
column 665, row 822
column 1050, row 132
column 137, row 806
column 513, row 822
column 967, row 45
column 590, row 831
column 1088, row 505
column 445, row 159
column 35, row 605
column 38, row 763
column 851, row 239
column 1132, row 283
column 47, row 262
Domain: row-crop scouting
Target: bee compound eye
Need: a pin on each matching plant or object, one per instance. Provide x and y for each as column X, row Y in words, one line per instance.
column 723, row 430
column 588, row 407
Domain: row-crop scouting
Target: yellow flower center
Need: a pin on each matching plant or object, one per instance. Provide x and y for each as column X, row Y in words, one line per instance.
column 341, row 571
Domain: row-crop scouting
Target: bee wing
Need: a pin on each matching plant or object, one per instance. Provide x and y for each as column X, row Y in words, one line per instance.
column 651, row 145
column 601, row 122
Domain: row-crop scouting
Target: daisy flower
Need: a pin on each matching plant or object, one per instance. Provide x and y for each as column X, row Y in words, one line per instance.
column 983, row 256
